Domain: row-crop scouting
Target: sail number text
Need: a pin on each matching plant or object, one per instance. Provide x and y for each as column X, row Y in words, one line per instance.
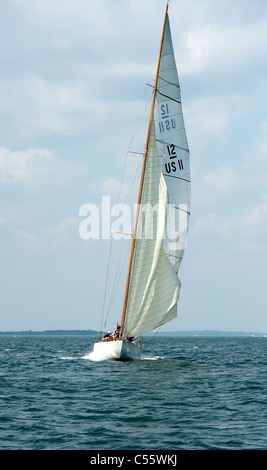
column 173, row 166
column 167, row 124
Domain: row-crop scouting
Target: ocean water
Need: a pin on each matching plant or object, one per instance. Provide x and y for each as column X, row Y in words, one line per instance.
column 185, row 393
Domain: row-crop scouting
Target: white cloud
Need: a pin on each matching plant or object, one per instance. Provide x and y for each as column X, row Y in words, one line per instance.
column 227, row 48
column 54, row 237
column 248, row 226
column 222, row 178
column 251, row 224
column 261, row 144
column 140, row 5
column 65, row 13
column 197, row 55
column 207, row 119
column 62, row 234
column 112, row 187
column 27, row 238
column 35, row 105
column 14, row 165
column 36, row 170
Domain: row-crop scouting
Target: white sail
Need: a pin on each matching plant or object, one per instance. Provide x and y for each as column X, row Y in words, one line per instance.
column 154, row 286
column 172, row 144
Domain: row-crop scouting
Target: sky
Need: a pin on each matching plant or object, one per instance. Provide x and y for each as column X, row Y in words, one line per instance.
column 73, row 82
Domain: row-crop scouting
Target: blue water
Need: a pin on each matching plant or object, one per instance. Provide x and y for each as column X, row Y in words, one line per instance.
column 185, row 393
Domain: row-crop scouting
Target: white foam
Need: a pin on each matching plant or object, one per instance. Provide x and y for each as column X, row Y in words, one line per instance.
column 68, row 358
column 151, row 358
column 96, row 357
column 92, row 356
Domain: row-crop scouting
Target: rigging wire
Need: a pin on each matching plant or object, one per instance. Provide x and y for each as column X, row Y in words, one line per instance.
column 152, row 336
column 145, row 103
column 110, row 249
column 113, row 290
column 134, row 132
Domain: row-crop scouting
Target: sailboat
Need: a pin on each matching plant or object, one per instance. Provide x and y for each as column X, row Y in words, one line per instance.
column 152, row 284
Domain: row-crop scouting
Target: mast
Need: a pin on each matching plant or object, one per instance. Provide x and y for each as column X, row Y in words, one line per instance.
column 142, row 181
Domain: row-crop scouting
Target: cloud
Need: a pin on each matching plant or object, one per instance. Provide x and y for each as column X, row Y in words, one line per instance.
column 36, row 106
column 261, row 144
column 222, row 179
column 216, row 46
column 3, row 221
column 198, row 43
column 250, row 225
column 36, row 170
column 115, row 188
column 207, row 120
column 27, row 238
column 59, row 236
column 14, row 166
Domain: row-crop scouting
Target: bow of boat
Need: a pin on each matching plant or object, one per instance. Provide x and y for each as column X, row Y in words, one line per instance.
column 116, row 350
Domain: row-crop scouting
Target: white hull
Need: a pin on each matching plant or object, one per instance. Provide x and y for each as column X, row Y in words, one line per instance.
column 120, row 349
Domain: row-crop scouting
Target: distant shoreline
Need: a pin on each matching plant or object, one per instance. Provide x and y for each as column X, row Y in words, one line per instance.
column 162, row 333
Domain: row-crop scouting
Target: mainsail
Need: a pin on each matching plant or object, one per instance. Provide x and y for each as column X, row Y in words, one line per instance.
column 160, row 233
column 154, row 286
column 172, row 143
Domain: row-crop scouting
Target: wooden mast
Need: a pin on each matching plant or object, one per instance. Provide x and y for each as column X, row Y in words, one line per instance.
column 141, row 183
